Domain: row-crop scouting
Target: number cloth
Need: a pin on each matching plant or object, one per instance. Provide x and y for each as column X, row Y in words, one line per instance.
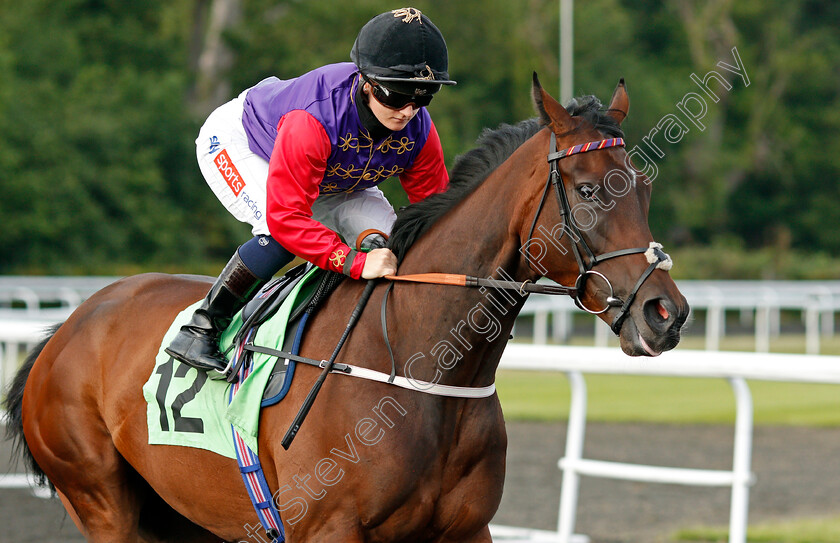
column 186, row 408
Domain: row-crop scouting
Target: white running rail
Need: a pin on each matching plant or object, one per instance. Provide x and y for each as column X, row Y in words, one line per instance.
column 759, row 304
column 736, row 367
column 13, row 335
column 574, row 362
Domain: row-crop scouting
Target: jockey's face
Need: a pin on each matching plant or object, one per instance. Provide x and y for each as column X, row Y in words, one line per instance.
column 392, row 119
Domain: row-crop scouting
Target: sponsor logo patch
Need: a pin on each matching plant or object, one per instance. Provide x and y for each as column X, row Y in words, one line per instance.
column 229, row 172
column 214, row 144
column 255, row 209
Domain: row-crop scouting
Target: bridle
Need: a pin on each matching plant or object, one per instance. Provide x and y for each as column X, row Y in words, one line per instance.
column 654, row 254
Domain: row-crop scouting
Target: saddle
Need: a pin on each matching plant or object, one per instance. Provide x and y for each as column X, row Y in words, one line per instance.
column 265, row 304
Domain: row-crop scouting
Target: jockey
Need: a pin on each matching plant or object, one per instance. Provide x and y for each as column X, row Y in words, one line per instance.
column 300, row 159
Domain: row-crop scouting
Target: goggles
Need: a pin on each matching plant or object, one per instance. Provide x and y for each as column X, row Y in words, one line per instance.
column 396, row 100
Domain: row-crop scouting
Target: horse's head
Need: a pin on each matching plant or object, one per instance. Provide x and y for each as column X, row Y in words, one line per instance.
column 588, row 225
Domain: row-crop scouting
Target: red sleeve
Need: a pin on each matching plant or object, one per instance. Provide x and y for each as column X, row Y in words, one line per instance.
column 297, row 166
column 428, row 174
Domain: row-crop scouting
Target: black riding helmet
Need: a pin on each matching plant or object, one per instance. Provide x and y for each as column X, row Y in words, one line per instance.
column 403, row 51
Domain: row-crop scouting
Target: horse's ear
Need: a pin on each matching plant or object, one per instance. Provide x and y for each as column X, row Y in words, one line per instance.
column 552, row 114
column 619, row 103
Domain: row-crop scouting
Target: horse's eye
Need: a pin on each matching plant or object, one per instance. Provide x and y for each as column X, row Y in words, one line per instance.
column 586, row 192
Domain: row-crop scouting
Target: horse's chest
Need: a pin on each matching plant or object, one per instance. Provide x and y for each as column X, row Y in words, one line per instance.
column 456, row 482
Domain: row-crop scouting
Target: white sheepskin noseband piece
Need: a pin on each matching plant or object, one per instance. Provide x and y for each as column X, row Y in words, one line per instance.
column 652, row 257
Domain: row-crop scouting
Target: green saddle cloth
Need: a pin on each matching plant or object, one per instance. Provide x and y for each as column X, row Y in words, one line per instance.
column 186, row 408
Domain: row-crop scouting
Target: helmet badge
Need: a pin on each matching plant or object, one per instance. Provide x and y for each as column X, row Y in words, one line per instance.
column 426, row 75
column 408, row 14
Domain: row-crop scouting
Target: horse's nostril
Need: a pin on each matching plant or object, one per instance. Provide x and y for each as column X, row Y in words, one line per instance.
column 658, row 316
column 663, row 312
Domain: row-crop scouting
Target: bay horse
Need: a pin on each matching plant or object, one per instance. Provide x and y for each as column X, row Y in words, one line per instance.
column 373, row 463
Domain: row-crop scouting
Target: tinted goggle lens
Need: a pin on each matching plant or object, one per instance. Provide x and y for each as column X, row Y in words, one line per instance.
column 396, row 100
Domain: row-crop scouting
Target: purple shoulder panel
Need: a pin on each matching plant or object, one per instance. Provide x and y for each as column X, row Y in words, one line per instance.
column 356, row 161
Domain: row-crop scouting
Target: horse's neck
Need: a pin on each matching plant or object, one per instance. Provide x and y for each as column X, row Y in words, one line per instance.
column 480, row 234
column 478, row 237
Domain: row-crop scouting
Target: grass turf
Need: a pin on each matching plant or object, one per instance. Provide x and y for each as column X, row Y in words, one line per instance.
column 809, row 530
column 788, row 343
column 544, row 396
column 540, row 396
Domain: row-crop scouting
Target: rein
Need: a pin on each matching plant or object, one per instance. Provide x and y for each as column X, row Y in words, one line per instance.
column 328, row 366
column 470, row 281
column 654, row 254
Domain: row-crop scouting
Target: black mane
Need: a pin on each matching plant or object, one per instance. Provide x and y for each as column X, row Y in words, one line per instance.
column 473, row 167
column 470, row 169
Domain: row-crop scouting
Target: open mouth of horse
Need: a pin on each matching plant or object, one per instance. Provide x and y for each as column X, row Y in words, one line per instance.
column 633, row 342
column 647, row 347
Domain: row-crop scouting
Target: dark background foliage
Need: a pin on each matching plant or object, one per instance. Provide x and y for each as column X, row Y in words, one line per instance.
column 100, row 102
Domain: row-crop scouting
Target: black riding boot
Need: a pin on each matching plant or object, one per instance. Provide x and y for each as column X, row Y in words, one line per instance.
column 197, row 343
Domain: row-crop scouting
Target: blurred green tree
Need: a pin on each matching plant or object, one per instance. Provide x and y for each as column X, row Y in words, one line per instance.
column 96, row 154
column 100, row 102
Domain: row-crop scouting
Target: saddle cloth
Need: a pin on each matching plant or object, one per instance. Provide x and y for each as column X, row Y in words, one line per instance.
column 187, row 408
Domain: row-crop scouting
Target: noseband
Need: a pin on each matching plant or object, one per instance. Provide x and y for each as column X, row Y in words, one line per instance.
column 654, row 254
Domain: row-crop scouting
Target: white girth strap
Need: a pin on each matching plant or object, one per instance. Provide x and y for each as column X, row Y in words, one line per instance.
column 420, row 386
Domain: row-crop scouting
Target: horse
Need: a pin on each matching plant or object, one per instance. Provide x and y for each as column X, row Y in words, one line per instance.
column 373, row 462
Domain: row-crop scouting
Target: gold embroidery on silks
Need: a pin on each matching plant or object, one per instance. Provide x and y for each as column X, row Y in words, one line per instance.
column 400, row 146
column 336, row 170
column 408, row 14
column 384, row 173
column 349, row 142
column 373, row 176
column 370, row 176
column 337, row 258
